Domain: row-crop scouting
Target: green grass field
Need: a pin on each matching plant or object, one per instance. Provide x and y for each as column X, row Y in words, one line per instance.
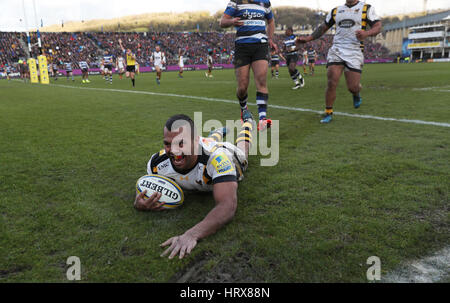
column 340, row 193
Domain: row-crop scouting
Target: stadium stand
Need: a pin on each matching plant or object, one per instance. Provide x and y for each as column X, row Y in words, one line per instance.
column 75, row 47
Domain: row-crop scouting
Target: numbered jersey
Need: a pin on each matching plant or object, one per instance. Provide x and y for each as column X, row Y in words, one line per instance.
column 348, row 20
column 216, row 164
column 121, row 62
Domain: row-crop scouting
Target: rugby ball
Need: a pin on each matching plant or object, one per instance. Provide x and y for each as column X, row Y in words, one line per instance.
column 171, row 193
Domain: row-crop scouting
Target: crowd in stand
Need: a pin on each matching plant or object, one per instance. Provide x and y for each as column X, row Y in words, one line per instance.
column 90, row 47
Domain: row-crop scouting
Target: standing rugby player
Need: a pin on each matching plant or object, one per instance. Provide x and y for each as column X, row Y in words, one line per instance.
column 108, row 65
column 131, row 62
column 180, row 62
column 120, row 65
column 210, row 62
column 253, row 39
column 312, row 57
column 158, row 58
column 84, row 71
column 346, row 54
column 275, row 56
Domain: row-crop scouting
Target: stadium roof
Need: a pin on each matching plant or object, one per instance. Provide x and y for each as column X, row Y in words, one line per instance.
column 417, row 21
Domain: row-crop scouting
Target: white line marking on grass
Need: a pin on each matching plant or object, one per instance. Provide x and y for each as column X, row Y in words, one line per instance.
column 442, row 124
column 427, row 270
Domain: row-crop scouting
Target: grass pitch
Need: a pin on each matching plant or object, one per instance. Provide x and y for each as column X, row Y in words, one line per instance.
column 340, row 193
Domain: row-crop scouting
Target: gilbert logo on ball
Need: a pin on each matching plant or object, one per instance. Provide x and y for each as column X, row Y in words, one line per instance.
column 171, row 193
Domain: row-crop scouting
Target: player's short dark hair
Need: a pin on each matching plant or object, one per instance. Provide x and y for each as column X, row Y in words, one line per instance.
column 180, row 120
column 290, row 28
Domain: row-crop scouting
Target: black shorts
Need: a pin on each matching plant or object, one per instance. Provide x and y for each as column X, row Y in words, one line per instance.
column 68, row 71
column 275, row 63
column 84, row 70
column 247, row 53
column 291, row 58
column 131, row 68
column 311, row 61
column 108, row 67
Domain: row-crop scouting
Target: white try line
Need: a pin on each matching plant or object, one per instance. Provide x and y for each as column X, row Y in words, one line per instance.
column 442, row 124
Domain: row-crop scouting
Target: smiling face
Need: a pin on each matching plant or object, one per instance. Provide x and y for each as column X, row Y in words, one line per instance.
column 180, row 147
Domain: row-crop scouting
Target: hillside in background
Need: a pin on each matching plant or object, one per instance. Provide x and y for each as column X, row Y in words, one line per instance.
column 298, row 17
column 187, row 21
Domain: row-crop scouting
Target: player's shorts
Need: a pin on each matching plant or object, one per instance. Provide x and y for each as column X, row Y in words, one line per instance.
column 158, row 66
column 68, row 70
column 181, row 64
column 312, row 61
column 131, row 68
column 274, row 63
column 291, row 58
column 351, row 58
column 84, row 70
column 247, row 53
column 108, row 67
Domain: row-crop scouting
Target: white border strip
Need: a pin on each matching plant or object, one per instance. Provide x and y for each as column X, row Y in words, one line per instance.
column 442, row 124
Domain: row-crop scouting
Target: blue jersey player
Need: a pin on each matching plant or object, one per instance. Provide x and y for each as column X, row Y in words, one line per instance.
column 255, row 26
column 291, row 54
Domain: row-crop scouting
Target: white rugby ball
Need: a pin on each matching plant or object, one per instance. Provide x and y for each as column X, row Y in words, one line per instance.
column 171, row 193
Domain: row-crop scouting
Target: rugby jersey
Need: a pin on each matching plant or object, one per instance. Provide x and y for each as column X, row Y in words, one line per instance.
column 348, row 20
column 275, row 57
column 83, row 65
column 68, row 66
column 254, row 14
column 289, row 43
column 108, row 59
column 311, row 55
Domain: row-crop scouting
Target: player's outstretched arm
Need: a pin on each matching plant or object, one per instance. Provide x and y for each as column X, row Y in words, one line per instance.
column 319, row 32
column 225, row 195
column 121, row 46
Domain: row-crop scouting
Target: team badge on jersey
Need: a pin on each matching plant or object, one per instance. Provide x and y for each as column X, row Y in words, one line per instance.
column 222, row 164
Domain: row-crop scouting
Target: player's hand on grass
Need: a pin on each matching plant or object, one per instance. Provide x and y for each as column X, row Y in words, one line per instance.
column 181, row 245
column 361, row 35
column 151, row 203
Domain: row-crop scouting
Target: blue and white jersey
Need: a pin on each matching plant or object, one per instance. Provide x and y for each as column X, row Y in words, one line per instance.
column 108, row 59
column 83, row 65
column 289, row 43
column 68, row 66
column 254, row 14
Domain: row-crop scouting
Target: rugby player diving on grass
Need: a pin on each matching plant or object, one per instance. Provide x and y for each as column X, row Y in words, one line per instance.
column 199, row 164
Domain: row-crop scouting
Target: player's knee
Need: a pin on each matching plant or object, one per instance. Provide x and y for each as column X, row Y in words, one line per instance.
column 354, row 88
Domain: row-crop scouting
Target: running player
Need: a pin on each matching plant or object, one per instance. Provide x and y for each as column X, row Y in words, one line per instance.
column 120, row 65
column 180, row 62
column 275, row 56
column 84, row 71
column 291, row 51
column 253, row 39
column 312, row 57
column 199, row 164
column 158, row 58
column 69, row 72
column 107, row 62
column 210, row 63
column 131, row 62
column 346, row 53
